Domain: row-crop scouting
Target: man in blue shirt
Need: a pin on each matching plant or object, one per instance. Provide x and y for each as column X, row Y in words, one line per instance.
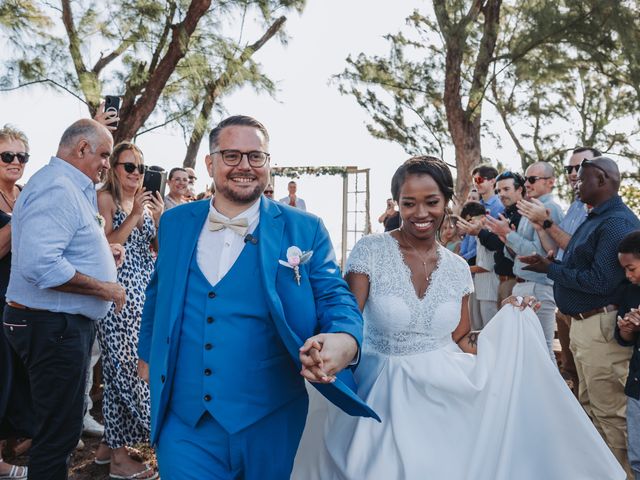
column 539, row 183
column 585, row 286
column 63, row 279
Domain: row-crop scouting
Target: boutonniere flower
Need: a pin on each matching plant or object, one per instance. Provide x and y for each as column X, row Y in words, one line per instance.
column 295, row 258
column 100, row 220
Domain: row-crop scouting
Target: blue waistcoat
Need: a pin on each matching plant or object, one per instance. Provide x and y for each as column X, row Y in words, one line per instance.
column 231, row 361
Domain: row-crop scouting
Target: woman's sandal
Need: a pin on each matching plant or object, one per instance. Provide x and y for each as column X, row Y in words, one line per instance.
column 136, row 476
column 16, row 473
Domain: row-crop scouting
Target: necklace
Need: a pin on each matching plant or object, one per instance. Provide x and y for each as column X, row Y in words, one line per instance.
column 10, row 203
column 427, row 274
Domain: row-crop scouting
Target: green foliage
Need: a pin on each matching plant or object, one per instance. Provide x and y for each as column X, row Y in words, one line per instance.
column 90, row 49
column 563, row 74
column 630, row 192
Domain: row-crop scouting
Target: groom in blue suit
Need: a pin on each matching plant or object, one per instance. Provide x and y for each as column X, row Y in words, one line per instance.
column 246, row 300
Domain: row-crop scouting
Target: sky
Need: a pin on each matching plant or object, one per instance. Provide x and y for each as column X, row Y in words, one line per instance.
column 309, row 122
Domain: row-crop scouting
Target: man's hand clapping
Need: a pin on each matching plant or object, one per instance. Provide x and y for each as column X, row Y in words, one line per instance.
column 534, row 210
column 499, row 226
column 470, row 228
column 324, row 355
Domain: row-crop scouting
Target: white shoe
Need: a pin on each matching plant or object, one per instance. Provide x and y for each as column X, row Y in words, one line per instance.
column 91, row 427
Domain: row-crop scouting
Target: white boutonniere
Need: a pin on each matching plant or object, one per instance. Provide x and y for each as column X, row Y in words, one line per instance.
column 295, row 258
column 100, row 220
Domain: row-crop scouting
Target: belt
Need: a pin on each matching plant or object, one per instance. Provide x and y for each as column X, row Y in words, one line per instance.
column 521, row 280
column 504, row 278
column 595, row 311
column 24, row 307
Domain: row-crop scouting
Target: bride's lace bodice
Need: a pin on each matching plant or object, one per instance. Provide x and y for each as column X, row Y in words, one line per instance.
column 396, row 321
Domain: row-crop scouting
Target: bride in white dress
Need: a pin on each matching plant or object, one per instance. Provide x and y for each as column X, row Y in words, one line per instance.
column 447, row 414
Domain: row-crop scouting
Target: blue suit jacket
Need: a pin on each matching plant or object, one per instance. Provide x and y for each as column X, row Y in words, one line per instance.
column 322, row 303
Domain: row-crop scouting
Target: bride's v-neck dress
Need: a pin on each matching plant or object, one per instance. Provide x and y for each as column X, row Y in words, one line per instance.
column 504, row 414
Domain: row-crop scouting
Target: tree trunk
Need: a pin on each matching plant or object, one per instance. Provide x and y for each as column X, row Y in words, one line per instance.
column 465, row 123
column 133, row 117
column 200, row 127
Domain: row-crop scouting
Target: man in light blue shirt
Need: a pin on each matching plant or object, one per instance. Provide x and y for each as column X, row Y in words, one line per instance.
column 63, row 278
column 539, row 183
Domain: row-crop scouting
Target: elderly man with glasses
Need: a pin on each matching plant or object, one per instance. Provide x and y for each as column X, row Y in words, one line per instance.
column 539, row 183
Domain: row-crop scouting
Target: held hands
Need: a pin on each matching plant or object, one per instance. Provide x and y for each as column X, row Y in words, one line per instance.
column 534, row 210
column 522, row 302
column 324, row 355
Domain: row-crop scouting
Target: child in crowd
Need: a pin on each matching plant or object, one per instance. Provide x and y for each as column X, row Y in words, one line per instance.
column 627, row 333
column 449, row 235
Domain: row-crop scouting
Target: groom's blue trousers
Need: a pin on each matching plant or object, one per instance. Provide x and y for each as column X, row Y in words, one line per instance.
column 262, row 451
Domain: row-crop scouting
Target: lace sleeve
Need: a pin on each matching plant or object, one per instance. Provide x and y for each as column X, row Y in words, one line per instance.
column 466, row 279
column 360, row 259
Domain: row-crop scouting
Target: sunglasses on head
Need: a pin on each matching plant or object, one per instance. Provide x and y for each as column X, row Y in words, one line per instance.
column 571, row 168
column 590, row 163
column 534, row 178
column 7, row 157
column 192, row 177
column 131, row 167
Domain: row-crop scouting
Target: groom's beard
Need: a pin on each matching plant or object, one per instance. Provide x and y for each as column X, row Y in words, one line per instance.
column 241, row 197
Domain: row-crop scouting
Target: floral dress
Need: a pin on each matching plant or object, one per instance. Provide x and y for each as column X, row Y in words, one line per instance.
column 126, row 399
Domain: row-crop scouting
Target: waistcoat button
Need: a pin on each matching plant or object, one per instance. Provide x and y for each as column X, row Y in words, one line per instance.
column 207, row 398
column 209, row 319
column 212, row 294
column 207, row 371
column 208, row 346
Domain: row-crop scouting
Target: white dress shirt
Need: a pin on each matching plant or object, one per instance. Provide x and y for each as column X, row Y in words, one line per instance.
column 218, row 251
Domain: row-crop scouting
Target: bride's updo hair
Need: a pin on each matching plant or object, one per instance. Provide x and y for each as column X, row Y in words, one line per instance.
column 424, row 165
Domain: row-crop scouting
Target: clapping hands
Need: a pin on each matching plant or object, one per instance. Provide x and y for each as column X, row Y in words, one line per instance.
column 534, row 210
column 324, row 355
column 470, row 228
column 500, row 226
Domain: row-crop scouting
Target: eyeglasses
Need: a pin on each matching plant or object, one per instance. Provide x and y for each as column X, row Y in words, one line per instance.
column 232, row 158
column 131, row 167
column 533, row 179
column 7, row 157
column 480, row 180
column 590, row 163
column 571, row 168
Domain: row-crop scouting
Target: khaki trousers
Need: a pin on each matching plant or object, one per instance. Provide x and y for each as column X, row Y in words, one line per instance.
column 602, row 367
column 563, row 323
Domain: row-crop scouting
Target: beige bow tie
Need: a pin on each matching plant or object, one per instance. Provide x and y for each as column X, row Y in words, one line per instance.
column 238, row 225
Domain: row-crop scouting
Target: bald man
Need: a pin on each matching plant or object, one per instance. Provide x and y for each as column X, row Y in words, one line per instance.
column 539, row 183
column 585, row 286
column 63, row 279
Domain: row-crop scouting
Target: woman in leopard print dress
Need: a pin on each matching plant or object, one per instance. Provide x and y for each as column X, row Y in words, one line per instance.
column 132, row 218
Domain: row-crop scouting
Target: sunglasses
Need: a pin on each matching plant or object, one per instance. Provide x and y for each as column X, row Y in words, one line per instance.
column 268, row 191
column 7, row 157
column 533, row 179
column 571, row 168
column 480, row 180
column 191, row 177
column 131, row 167
column 590, row 163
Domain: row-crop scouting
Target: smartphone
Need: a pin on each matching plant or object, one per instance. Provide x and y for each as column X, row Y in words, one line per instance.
column 112, row 104
column 155, row 181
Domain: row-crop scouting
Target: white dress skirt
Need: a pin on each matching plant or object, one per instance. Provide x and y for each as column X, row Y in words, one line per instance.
column 504, row 414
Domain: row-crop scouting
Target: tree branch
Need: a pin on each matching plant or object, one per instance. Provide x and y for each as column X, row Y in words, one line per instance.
column 45, row 80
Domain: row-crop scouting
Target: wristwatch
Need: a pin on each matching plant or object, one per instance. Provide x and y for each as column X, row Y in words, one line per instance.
column 547, row 223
